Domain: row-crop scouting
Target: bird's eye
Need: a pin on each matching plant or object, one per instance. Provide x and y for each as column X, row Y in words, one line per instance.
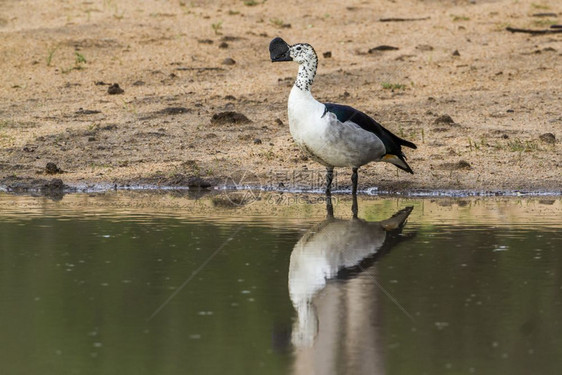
column 299, row 48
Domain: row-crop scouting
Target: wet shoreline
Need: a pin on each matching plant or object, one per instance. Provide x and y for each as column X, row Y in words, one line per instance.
column 56, row 186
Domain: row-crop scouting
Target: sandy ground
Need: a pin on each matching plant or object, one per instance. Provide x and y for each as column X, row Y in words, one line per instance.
column 502, row 90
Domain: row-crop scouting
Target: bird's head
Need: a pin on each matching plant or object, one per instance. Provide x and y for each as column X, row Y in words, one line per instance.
column 280, row 50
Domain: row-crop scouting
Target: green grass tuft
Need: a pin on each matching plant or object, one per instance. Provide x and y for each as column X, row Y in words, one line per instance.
column 393, row 86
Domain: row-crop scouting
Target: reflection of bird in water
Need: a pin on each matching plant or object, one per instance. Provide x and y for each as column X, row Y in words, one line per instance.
column 332, row 315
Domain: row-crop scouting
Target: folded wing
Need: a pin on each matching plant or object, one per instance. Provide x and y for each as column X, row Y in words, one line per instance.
column 392, row 142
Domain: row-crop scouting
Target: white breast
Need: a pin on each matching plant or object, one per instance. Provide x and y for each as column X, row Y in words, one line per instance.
column 327, row 140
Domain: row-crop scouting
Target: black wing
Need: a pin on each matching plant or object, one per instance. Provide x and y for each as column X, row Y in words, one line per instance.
column 391, row 142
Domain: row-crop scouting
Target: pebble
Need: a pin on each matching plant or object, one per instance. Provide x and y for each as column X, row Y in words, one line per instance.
column 444, row 119
column 51, row 168
column 548, row 138
column 115, row 89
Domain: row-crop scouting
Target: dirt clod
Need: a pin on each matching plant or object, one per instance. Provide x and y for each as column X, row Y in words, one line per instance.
column 383, row 48
column 444, row 119
column 327, row 54
column 51, row 168
column 115, row 89
column 257, row 141
column 173, row 111
column 548, row 138
column 229, row 117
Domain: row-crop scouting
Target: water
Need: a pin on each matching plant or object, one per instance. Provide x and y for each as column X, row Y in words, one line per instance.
column 133, row 283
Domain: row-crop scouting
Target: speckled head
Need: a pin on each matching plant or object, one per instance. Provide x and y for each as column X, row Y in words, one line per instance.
column 279, row 50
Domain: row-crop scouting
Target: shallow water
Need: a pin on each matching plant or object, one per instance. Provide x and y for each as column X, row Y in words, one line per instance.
column 97, row 284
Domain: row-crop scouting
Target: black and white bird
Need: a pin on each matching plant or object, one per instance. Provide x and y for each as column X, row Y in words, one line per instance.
column 325, row 252
column 335, row 135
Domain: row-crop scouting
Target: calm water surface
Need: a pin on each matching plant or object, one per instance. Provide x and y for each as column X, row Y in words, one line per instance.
column 413, row 287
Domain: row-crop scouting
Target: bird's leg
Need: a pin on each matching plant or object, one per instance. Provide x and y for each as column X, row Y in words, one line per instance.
column 329, row 178
column 354, row 206
column 329, row 206
column 354, row 179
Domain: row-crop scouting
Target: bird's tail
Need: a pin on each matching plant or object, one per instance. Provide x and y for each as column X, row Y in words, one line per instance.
column 398, row 220
column 399, row 161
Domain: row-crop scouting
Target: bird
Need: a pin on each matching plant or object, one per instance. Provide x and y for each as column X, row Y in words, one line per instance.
column 334, row 135
column 336, row 249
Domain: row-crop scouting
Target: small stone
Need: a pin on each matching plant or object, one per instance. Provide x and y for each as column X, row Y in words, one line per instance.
column 463, row 164
column 383, row 48
column 173, row 111
column 115, row 89
column 228, row 61
column 257, row 141
column 327, row 54
column 51, row 168
column 223, row 45
column 456, row 53
column 444, row 119
column 510, row 111
column 548, row 138
column 279, row 122
column 229, row 117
